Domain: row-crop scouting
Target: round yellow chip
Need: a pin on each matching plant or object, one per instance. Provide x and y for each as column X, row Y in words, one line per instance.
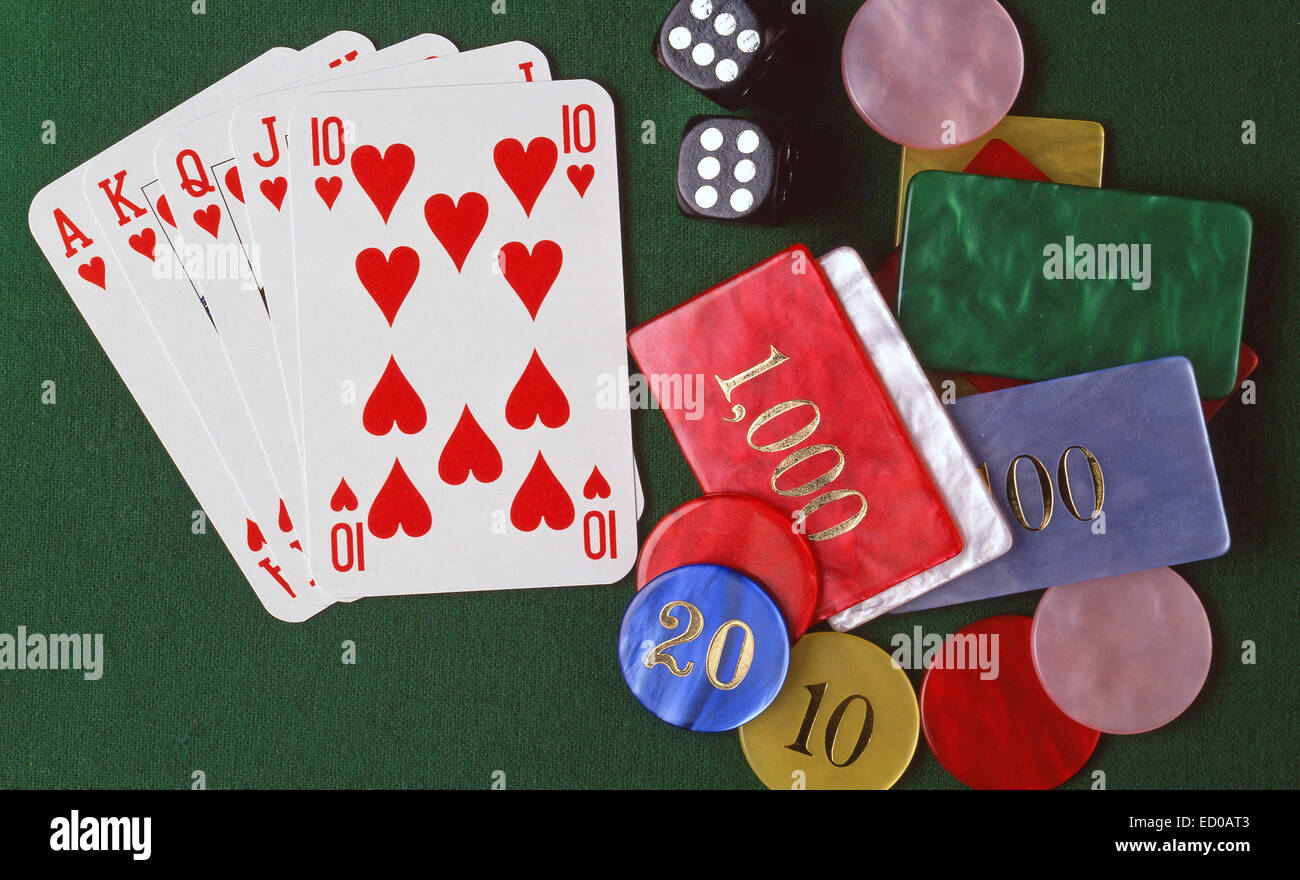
column 845, row 718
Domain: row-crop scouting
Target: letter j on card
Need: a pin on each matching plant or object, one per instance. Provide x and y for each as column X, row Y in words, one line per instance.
column 1033, row 281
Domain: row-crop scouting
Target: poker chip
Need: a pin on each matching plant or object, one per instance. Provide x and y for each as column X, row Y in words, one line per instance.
column 846, row 718
column 704, row 647
column 1247, row 361
column 932, row 73
column 822, row 406
column 1067, row 458
column 987, row 717
column 742, row 533
column 1123, row 654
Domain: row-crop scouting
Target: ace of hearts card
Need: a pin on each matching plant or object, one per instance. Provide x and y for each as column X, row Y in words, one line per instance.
column 460, row 249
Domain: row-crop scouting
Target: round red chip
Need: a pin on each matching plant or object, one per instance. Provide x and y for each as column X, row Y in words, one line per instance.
column 744, row 534
column 987, row 718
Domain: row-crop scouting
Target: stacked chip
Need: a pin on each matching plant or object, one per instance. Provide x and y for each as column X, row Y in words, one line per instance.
column 725, row 588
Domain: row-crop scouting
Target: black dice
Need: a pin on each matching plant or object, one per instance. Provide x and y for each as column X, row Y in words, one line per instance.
column 721, row 47
column 730, row 168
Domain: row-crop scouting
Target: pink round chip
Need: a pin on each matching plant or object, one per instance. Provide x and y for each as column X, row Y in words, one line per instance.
column 932, row 74
column 1122, row 654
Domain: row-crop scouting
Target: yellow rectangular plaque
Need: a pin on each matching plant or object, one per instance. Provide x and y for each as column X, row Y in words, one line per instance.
column 1066, row 150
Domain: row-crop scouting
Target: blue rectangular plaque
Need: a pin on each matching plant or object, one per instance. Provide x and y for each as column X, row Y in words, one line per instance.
column 1101, row 473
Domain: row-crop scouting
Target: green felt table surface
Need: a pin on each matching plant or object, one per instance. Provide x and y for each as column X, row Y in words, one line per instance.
column 446, row 690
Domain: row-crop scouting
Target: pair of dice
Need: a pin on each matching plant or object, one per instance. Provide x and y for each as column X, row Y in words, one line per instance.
column 728, row 168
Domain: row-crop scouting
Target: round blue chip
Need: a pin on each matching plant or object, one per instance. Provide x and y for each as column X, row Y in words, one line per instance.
column 704, row 647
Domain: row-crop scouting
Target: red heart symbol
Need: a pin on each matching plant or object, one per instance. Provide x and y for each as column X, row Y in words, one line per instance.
column 536, row 396
column 541, row 497
column 388, row 279
column 286, row 524
column 343, row 498
column 383, row 177
column 399, row 504
column 328, row 189
column 596, row 486
column 393, row 402
column 469, row 450
column 93, row 271
column 581, row 176
column 456, row 224
column 234, row 184
column 144, row 242
column 526, row 171
column 255, row 540
column 274, row 190
column 165, row 211
column 209, row 219
column 531, row 274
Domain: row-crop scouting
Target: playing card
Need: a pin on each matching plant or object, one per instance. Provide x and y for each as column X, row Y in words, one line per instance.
column 466, row 306
column 256, row 133
column 79, row 250
column 141, row 230
column 257, row 125
column 793, row 412
column 199, row 178
column 985, row 533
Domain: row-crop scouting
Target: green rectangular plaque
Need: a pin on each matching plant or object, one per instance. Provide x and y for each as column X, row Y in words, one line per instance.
column 1039, row 280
